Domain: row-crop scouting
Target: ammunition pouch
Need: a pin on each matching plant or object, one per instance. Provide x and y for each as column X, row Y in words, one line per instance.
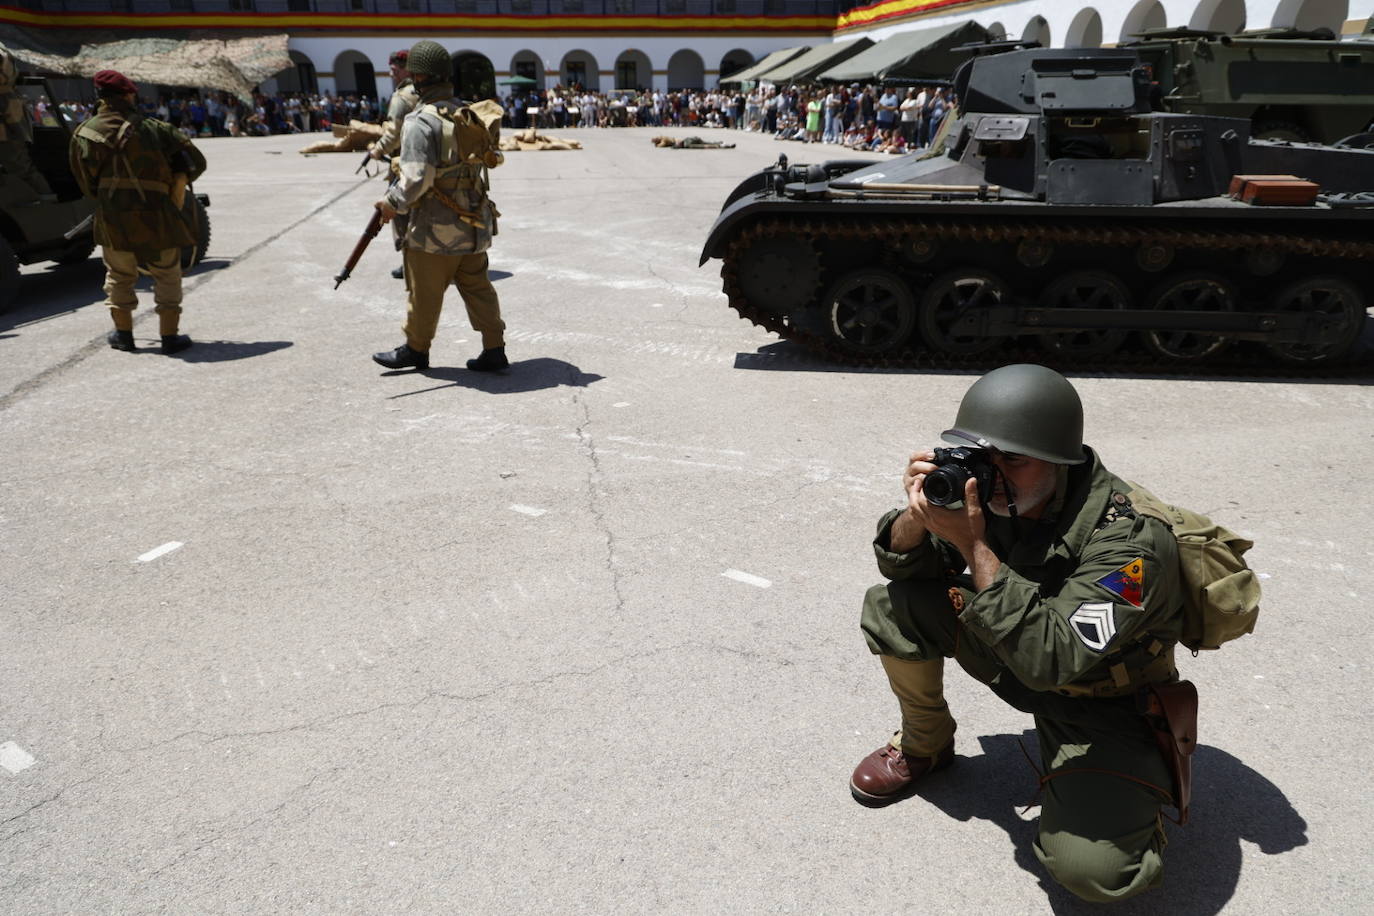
column 1171, row 711
column 1124, row 682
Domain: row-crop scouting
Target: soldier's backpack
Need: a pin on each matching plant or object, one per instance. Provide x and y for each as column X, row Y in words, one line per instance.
column 472, row 134
column 1221, row 593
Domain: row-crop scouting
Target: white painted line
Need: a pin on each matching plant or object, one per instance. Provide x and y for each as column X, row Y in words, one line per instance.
column 156, row 552
column 746, row 578
column 527, row 510
column 621, row 404
column 14, row 758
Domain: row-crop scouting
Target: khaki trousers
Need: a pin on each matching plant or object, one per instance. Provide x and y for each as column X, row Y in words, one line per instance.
column 1100, row 834
column 428, row 277
column 121, row 273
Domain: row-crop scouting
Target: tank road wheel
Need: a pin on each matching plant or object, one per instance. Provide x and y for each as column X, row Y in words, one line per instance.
column 778, row 275
column 953, row 296
column 1342, row 311
column 872, row 311
column 1198, row 292
column 1085, row 289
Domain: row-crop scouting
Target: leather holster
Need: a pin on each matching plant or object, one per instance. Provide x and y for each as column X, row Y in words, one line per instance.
column 1171, row 710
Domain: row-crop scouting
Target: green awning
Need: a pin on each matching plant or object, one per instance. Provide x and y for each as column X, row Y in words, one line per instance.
column 806, row 66
column 924, row 54
column 777, row 58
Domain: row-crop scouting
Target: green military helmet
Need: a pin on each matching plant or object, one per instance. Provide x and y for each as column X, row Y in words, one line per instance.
column 430, row 59
column 1024, row 409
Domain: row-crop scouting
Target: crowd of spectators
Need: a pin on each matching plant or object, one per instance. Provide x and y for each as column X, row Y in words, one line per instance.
column 881, row 118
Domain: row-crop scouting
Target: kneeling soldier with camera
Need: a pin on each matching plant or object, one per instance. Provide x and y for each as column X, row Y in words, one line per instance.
column 1020, row 556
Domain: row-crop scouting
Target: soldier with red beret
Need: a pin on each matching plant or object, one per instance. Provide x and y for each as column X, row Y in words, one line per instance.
column 137, row 168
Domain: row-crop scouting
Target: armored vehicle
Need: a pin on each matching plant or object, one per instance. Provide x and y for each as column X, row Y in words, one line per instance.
column 1289, row 84
column 33, row 230
column 1060, row 212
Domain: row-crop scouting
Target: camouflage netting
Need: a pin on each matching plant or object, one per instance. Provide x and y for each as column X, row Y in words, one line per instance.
column 235, row 65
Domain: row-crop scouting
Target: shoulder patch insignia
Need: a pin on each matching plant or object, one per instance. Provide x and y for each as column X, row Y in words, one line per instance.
column 1128, row 582
column 1093, row 623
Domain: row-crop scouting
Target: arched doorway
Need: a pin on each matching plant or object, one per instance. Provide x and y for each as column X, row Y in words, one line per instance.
column 1037, row 30
column 355, row 73
column 686, row 71
column 1312, row 14
column 1219, row 16
column 1147, row 14
column 633, row 70
column 530, row 66
column 579, row 68
column 1085, row 31
column 474, row 77
column 734, row 61
column 299, row 77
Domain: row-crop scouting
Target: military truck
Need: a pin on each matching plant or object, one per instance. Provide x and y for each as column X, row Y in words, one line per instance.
column 34, row 230
column 1289, row 84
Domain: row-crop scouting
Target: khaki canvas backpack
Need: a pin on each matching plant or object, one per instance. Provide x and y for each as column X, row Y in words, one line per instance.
column 1221, row 592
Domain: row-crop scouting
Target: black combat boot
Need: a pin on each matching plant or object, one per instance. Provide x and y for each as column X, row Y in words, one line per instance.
column 174, row 343
column 399, row 273
column 490, row 360
column 403, row 357
column 121, row 340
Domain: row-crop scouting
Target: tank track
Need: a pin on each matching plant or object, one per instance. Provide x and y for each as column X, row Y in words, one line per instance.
column 1252, row 361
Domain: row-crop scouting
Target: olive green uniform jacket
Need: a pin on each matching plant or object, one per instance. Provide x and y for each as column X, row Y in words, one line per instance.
column 1089, row 586
column 126, row 161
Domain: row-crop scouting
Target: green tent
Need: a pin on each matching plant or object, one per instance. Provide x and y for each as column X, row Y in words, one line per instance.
column 805, row 67
column 908, row 57
column 777, row 58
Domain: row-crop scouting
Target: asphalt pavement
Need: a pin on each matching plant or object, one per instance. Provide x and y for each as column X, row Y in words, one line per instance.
column 281, row 631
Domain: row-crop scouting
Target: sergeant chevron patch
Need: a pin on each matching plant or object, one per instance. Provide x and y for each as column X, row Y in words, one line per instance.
column 1093, row 623
column 1128, row 581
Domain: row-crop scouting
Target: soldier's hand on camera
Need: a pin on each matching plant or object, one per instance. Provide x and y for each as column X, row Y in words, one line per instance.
column 374, row 151
column 963, row 527
column 910, row 527
column 388, row 211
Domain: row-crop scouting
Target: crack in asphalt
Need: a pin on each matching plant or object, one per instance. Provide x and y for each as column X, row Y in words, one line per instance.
column 594, row 476
column 194, row 283
column 40, row 804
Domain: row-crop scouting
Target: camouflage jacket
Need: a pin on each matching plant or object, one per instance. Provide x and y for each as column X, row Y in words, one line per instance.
column 1084, row 588
column 126, row 161
column 403, row 101
column 435, row 158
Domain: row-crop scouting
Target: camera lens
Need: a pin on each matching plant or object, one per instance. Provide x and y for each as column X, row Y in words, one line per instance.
column 945, row 485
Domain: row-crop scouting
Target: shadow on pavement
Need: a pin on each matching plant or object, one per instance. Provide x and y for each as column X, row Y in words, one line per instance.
column 1231, row 803
column 60, row 290
column 1358, row 369
column 494, row 275
column 223, row 351
column 522, row 376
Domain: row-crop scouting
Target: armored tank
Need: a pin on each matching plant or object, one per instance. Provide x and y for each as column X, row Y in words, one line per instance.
column 1061, row 213
column 35, row 228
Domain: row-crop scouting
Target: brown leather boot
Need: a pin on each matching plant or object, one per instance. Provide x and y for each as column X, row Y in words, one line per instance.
column 888, row 775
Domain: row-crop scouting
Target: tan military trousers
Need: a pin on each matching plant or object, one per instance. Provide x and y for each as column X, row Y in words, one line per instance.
column 121, row 274
column 428, row 277
column 1100, row 833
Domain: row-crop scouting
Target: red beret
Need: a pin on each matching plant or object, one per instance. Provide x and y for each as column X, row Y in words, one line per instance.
column 112, row 81
column 401, row 56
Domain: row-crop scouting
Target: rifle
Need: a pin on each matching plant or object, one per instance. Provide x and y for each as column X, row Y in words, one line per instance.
column 374, row 225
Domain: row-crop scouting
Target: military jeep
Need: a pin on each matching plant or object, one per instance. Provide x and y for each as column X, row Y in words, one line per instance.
column 33, row 230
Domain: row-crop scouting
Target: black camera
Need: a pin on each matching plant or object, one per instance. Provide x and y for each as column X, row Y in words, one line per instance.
column 944, row 486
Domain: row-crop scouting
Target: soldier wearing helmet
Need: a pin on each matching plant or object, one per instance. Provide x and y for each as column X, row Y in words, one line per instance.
column 16, row 131
column 404, row 99
column 1038, row 578
column 446, row 150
